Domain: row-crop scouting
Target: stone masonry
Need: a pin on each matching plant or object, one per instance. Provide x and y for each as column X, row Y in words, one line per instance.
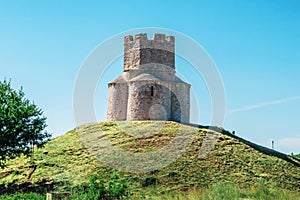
column 148, row 89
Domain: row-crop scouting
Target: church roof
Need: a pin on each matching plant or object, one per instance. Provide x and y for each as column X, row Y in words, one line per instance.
column 178, row 80
column 145, row 77
column 120, row 79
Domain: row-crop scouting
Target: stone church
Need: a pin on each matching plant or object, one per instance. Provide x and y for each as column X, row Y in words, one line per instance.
column 148, row 89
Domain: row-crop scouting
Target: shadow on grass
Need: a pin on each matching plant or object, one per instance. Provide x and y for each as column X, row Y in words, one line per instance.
column 27, row 187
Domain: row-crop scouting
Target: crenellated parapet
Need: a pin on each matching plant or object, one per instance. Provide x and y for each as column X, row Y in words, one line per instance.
column 139, row 51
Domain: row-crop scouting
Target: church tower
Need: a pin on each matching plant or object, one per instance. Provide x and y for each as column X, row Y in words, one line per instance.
column 148, row 89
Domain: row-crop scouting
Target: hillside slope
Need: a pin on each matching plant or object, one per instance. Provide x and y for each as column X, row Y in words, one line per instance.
column 68, row 161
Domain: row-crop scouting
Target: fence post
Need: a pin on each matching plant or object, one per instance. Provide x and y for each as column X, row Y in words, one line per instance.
column 49, row 196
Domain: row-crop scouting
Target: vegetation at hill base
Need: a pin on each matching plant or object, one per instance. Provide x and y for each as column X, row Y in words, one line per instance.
column 65, row 164
column 219, row 191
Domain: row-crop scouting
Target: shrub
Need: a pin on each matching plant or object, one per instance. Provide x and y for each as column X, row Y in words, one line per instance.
column 116, row 188
column 96, row 188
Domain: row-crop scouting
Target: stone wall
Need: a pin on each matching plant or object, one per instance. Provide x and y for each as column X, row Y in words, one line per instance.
column 148, row 101
column 139, row 51
column 181, row 103
column 117, row 101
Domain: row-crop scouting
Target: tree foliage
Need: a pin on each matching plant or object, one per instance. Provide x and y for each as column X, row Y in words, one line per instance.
column 21, row 124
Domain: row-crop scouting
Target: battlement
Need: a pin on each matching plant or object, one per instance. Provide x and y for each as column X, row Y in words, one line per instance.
column 139, row 50
column 143, row 37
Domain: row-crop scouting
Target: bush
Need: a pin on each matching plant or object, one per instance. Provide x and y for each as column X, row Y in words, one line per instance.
column 96, row 188
column 116, row 188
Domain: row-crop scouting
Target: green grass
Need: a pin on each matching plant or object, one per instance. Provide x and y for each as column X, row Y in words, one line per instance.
column 224, row 191
column 218, row 191
column 65, row 163
column 22, row 196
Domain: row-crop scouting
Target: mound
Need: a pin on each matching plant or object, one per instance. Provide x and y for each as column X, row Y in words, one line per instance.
column 169, row 155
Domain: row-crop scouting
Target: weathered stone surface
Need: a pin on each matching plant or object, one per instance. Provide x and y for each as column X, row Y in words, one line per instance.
column 140, row 51
column 148, row 88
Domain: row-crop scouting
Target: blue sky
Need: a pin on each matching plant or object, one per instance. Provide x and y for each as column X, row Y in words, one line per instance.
column 255, row 45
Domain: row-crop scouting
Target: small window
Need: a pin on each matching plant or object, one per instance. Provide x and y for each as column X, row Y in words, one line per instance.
column 152, row 91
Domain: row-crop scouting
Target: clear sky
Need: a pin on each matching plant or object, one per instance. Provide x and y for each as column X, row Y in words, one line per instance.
column 255, row 45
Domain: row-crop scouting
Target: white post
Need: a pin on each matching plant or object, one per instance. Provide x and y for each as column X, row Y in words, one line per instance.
column 49, row 196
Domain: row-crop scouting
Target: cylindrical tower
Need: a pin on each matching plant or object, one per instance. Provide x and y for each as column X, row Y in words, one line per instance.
column 148, row 100
column 117, row 101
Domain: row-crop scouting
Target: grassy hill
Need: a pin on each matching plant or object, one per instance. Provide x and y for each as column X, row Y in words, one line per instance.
column 65, row 162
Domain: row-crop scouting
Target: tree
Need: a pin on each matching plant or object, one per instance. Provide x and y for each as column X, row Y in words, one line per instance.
column 22, row 124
